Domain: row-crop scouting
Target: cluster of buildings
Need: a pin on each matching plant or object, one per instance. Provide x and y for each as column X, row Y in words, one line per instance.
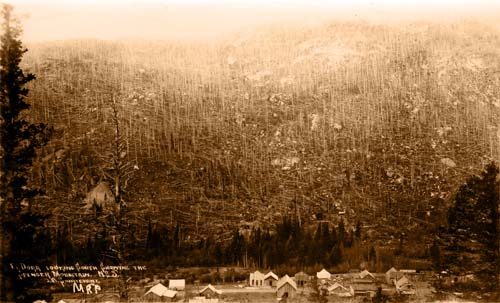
column 401, row 281
column 345, row 285
column 286, row 287
column 365, row 283
column 175, row 292
column 160, row 292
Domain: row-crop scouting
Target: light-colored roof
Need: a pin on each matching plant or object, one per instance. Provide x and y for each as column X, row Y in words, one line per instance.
column 365, row 273
column 209, row 286
column 344, row 291
column 161, row 291
column 335, row 286
column 271, row 275
column 401, row 282
column 391, row 270
column 177, row 283
column 350, row 293
column 286, row 280
column 323, row 274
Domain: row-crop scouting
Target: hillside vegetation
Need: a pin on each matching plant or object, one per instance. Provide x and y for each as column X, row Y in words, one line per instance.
column 377, row 124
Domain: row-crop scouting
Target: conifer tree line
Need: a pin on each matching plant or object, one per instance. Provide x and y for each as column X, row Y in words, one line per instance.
column 294, row 245
column 286, row 244
column 469, row 244
column 23, row 235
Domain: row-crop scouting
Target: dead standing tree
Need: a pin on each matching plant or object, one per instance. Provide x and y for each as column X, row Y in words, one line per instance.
column 120, row 174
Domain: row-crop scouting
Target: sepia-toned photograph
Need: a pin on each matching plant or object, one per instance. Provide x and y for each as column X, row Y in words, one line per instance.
column 239, row 151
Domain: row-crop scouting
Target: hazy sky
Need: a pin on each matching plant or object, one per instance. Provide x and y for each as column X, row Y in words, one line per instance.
column 173, row 19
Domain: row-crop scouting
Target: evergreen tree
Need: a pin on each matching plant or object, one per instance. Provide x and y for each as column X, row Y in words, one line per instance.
column 236, row 248
column 435, row 254
column 471, row 240
column 218, row 255
column 372, row 254
column 333, row 236
column 325, row 238
column 341, row 233
column 19, row 141
column 336, row 254
column 176, row 245
column 149, row 236
column 358, row 231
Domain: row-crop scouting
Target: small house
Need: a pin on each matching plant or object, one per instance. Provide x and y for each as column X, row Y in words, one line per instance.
column 404, row 287
column 364, row 284
column 365, row 274
column 210, row 292
column 270, row 279
column 159, row 293
column 364, row 289
column 301, row 278
column 364, row 277
column 177, row 284
column 391, row 275
column 256, row 279
column 340, row 291
column 286, row 287
column 323, row 275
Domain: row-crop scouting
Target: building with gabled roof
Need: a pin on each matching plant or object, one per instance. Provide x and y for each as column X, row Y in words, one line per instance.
column 177, row 284
column 392, row 274
column 364, row 277
column 270, row 279
column 339, row 290
column 286, row 287
column 210, row 291
column 364, row 283
column 365, row 274
column 404, row 287
column 256, row 279
column 323, row 275
column 401, row 281
column 301, row 278
column 160, row 293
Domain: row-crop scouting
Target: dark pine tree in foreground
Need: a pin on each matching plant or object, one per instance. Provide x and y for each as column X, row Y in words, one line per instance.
column 21, row 227
column 471, row 242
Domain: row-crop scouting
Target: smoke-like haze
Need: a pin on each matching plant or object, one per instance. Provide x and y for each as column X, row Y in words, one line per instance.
column 202, row 19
